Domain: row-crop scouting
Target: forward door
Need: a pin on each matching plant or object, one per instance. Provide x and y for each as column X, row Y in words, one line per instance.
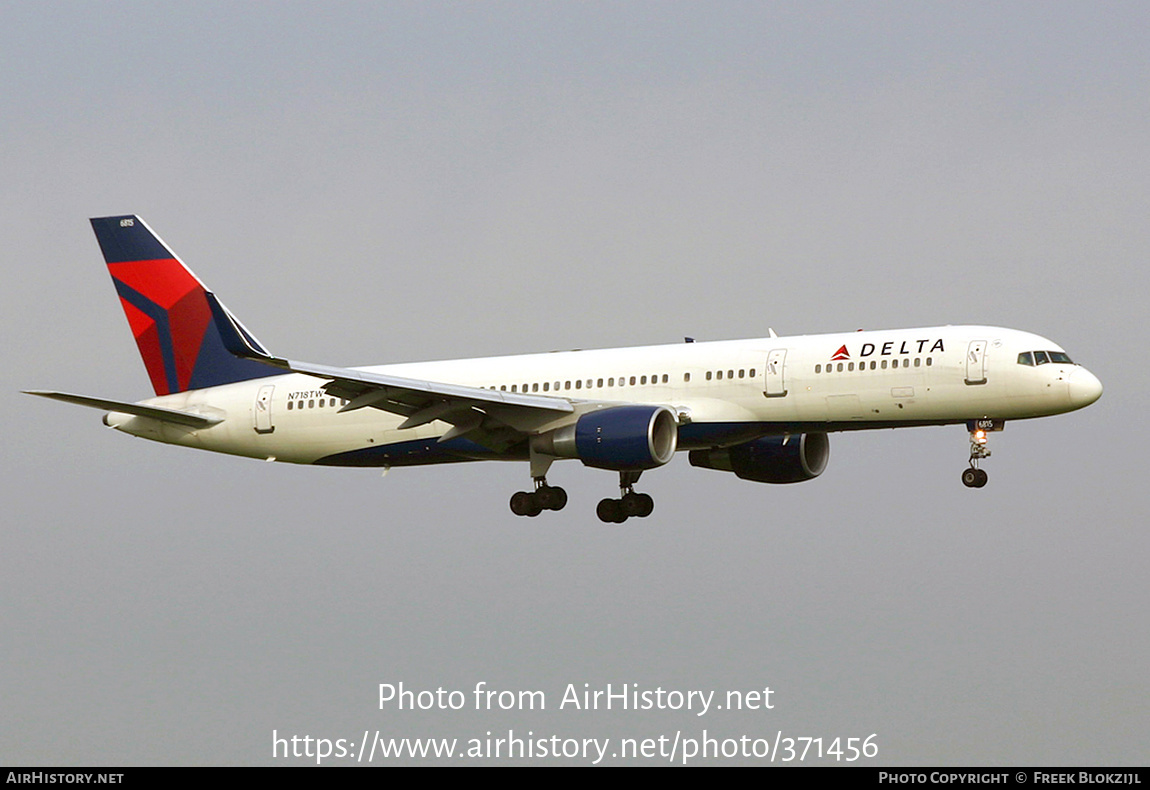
column 775, row 385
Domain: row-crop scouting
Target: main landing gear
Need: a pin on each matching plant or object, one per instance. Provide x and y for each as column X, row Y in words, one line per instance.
column 974, row 477
column 544, row 497
column 629, row 503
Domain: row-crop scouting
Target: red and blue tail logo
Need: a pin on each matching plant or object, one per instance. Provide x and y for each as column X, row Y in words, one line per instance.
column 167, row 311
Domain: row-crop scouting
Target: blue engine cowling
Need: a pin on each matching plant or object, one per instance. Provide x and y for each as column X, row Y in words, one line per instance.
column 620, row 438
column 770, row 459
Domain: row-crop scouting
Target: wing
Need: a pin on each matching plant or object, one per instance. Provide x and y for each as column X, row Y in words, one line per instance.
column 493, row 418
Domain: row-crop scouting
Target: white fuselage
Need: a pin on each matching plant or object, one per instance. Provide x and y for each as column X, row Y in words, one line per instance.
column 723, row 393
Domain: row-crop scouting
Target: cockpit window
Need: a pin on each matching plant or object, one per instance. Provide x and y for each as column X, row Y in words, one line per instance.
column 1043, row 357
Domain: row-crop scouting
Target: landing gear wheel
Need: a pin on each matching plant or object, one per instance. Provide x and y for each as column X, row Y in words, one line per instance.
column 520, row 503
column 974, row 478
column 647, row 505
column 552, row 497
column 638, row 505
column 610, row 511
column 631, row 504
column 525, row 504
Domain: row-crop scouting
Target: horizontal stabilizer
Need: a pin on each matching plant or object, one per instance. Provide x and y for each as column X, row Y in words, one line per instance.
column 155, row 412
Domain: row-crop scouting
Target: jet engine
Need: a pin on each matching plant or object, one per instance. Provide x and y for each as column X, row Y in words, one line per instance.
column 620, row 438
column 770, row 459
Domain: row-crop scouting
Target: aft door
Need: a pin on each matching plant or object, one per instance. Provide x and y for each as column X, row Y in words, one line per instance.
column 262, row 411
column 776, row 385
column 976, row 362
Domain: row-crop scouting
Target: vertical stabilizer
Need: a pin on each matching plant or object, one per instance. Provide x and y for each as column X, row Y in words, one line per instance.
column 168, row 311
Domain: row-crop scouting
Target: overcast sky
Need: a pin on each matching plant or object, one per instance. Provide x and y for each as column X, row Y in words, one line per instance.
column 366, row 183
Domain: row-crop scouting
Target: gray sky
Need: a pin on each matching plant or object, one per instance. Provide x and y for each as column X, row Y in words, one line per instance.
column 372, row 183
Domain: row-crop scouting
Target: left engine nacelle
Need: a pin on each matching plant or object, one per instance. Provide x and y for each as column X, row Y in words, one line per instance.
column 771, row 459
column 620, row 438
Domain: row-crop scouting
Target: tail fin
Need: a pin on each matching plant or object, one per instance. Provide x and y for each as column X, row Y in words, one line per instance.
column 168, row 311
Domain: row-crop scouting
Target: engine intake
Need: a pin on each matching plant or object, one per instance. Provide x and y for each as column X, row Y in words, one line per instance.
column 620, row 438
column 770, row 459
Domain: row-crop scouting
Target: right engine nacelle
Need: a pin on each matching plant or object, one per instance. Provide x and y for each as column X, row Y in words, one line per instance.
column 620, row 438
column 771, row 459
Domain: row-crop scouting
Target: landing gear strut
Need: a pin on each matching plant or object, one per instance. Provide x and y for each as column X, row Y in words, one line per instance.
column 973, row 477
column 630, row 503
column 544, row 497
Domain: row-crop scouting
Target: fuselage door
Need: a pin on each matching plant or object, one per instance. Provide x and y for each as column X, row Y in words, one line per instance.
column 776, row 385
column 976, row 362
column 262, row 410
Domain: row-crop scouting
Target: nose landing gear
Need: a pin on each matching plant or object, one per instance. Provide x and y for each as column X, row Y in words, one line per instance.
column 974, row 477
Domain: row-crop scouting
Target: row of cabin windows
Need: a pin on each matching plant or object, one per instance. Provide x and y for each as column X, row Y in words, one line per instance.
column 548, row 386
column 621, row 381
column 874, row 365
column 742, row 373
column 316, row 403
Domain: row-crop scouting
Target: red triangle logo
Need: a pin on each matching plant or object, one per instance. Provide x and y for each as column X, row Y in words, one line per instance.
column 842, row 353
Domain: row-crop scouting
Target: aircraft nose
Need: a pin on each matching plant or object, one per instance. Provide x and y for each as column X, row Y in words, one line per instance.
column 1085, row 388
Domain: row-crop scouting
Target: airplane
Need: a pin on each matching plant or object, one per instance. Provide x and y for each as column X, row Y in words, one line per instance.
column 761, row 409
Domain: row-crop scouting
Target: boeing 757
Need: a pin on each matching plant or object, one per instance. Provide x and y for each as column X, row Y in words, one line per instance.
column 761, row 409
